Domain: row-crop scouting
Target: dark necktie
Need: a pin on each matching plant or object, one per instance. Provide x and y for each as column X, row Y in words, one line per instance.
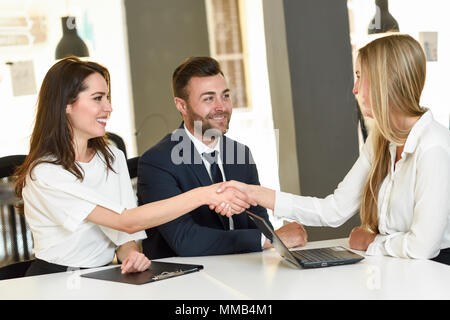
column 216, row 174
column 216, row 177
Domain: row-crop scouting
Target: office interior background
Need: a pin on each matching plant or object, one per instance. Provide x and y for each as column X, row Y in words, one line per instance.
column 289, row 65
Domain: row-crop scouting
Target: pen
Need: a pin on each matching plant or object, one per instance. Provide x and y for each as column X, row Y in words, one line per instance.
column 166, row 274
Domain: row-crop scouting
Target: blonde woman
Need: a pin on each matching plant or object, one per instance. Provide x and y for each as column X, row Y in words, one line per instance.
column 400, row 183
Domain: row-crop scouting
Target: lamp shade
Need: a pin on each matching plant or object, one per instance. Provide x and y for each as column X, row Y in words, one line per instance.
column 383, row 21
column 70, row 44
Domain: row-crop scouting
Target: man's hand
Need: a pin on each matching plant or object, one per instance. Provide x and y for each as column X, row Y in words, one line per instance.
column 360, row 239
column 256, row 194
column 227, row 202
column 292, row 235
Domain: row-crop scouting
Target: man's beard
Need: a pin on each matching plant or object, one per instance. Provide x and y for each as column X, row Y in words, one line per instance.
column 203, row 124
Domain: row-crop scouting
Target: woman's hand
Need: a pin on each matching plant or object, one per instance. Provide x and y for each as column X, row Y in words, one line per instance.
column 135, row 262
column 360, row 239
column 227, row 202
column 256, row 194
column 243, row 187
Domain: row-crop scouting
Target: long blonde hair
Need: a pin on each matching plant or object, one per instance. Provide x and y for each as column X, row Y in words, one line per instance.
column 395, row 68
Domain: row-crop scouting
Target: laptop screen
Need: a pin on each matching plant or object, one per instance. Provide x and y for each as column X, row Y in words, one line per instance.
column 276, row 241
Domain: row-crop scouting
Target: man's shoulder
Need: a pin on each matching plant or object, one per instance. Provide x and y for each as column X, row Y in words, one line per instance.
column 164, row 150
column 236, row 152
column 228, row 140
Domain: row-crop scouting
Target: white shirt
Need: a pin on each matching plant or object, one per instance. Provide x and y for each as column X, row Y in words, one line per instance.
column 201, row 149
column 57, row 204
column 413, row 201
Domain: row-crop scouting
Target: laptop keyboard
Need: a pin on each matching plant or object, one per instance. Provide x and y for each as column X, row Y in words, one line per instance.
column 316, row 255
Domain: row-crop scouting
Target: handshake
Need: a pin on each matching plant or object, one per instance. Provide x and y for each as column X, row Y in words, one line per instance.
column 234, row 197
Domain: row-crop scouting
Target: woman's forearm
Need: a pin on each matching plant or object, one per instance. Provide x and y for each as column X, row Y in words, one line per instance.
column 150, row 214
column 265, row 197
column 156, row 213
column 160, row 212
column 124, row 250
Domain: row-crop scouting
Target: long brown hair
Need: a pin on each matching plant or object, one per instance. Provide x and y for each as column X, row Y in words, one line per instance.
column 52, row 137
column 395, row 68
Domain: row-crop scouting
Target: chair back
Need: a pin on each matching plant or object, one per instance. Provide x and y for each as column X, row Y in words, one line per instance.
column 118, row 142
column 16, row 241
column 9, row 163
column 132, row 164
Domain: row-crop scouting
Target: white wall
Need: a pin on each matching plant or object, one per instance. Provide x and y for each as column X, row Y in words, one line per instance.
column 254, row 126
column 108, row 47
column 414, row 16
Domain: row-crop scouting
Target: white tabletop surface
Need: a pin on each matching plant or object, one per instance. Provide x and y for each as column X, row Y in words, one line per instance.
column 254, row 276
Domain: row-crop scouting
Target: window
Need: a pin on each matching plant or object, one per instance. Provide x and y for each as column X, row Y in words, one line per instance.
column 227, row 47
column 428, row 23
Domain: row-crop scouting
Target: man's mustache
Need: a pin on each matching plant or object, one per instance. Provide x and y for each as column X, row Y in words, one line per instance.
column 221, row 114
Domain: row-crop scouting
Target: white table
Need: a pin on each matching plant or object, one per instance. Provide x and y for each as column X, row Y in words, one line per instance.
column 254, row 276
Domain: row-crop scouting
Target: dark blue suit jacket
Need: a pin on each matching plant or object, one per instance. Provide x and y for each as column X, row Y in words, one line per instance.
column 174, row 166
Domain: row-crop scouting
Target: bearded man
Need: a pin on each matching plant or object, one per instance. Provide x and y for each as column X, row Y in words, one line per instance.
column 199, row 154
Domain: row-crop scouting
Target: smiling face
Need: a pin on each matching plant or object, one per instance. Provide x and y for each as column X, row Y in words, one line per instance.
column 209, row 102
column 90, row 111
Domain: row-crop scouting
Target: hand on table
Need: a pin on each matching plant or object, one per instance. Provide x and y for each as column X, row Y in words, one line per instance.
column 360, row 239
column 135, row 262
column 292, row 235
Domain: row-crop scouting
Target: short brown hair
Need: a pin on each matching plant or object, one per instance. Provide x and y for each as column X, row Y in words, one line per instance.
column 193, row 67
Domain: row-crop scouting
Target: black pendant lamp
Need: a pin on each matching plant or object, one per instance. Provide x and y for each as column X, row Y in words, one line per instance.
column 383, row 21
column 70, row 44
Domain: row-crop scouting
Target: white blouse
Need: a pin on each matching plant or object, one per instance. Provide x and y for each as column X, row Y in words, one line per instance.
column 56, row 205
column 413, row 201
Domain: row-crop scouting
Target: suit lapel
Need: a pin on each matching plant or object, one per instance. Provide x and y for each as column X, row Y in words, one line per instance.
column 197, row 166
column 193, row 160
column 190, row 156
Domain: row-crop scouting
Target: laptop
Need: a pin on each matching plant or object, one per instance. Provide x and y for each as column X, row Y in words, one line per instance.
column 308, row 258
